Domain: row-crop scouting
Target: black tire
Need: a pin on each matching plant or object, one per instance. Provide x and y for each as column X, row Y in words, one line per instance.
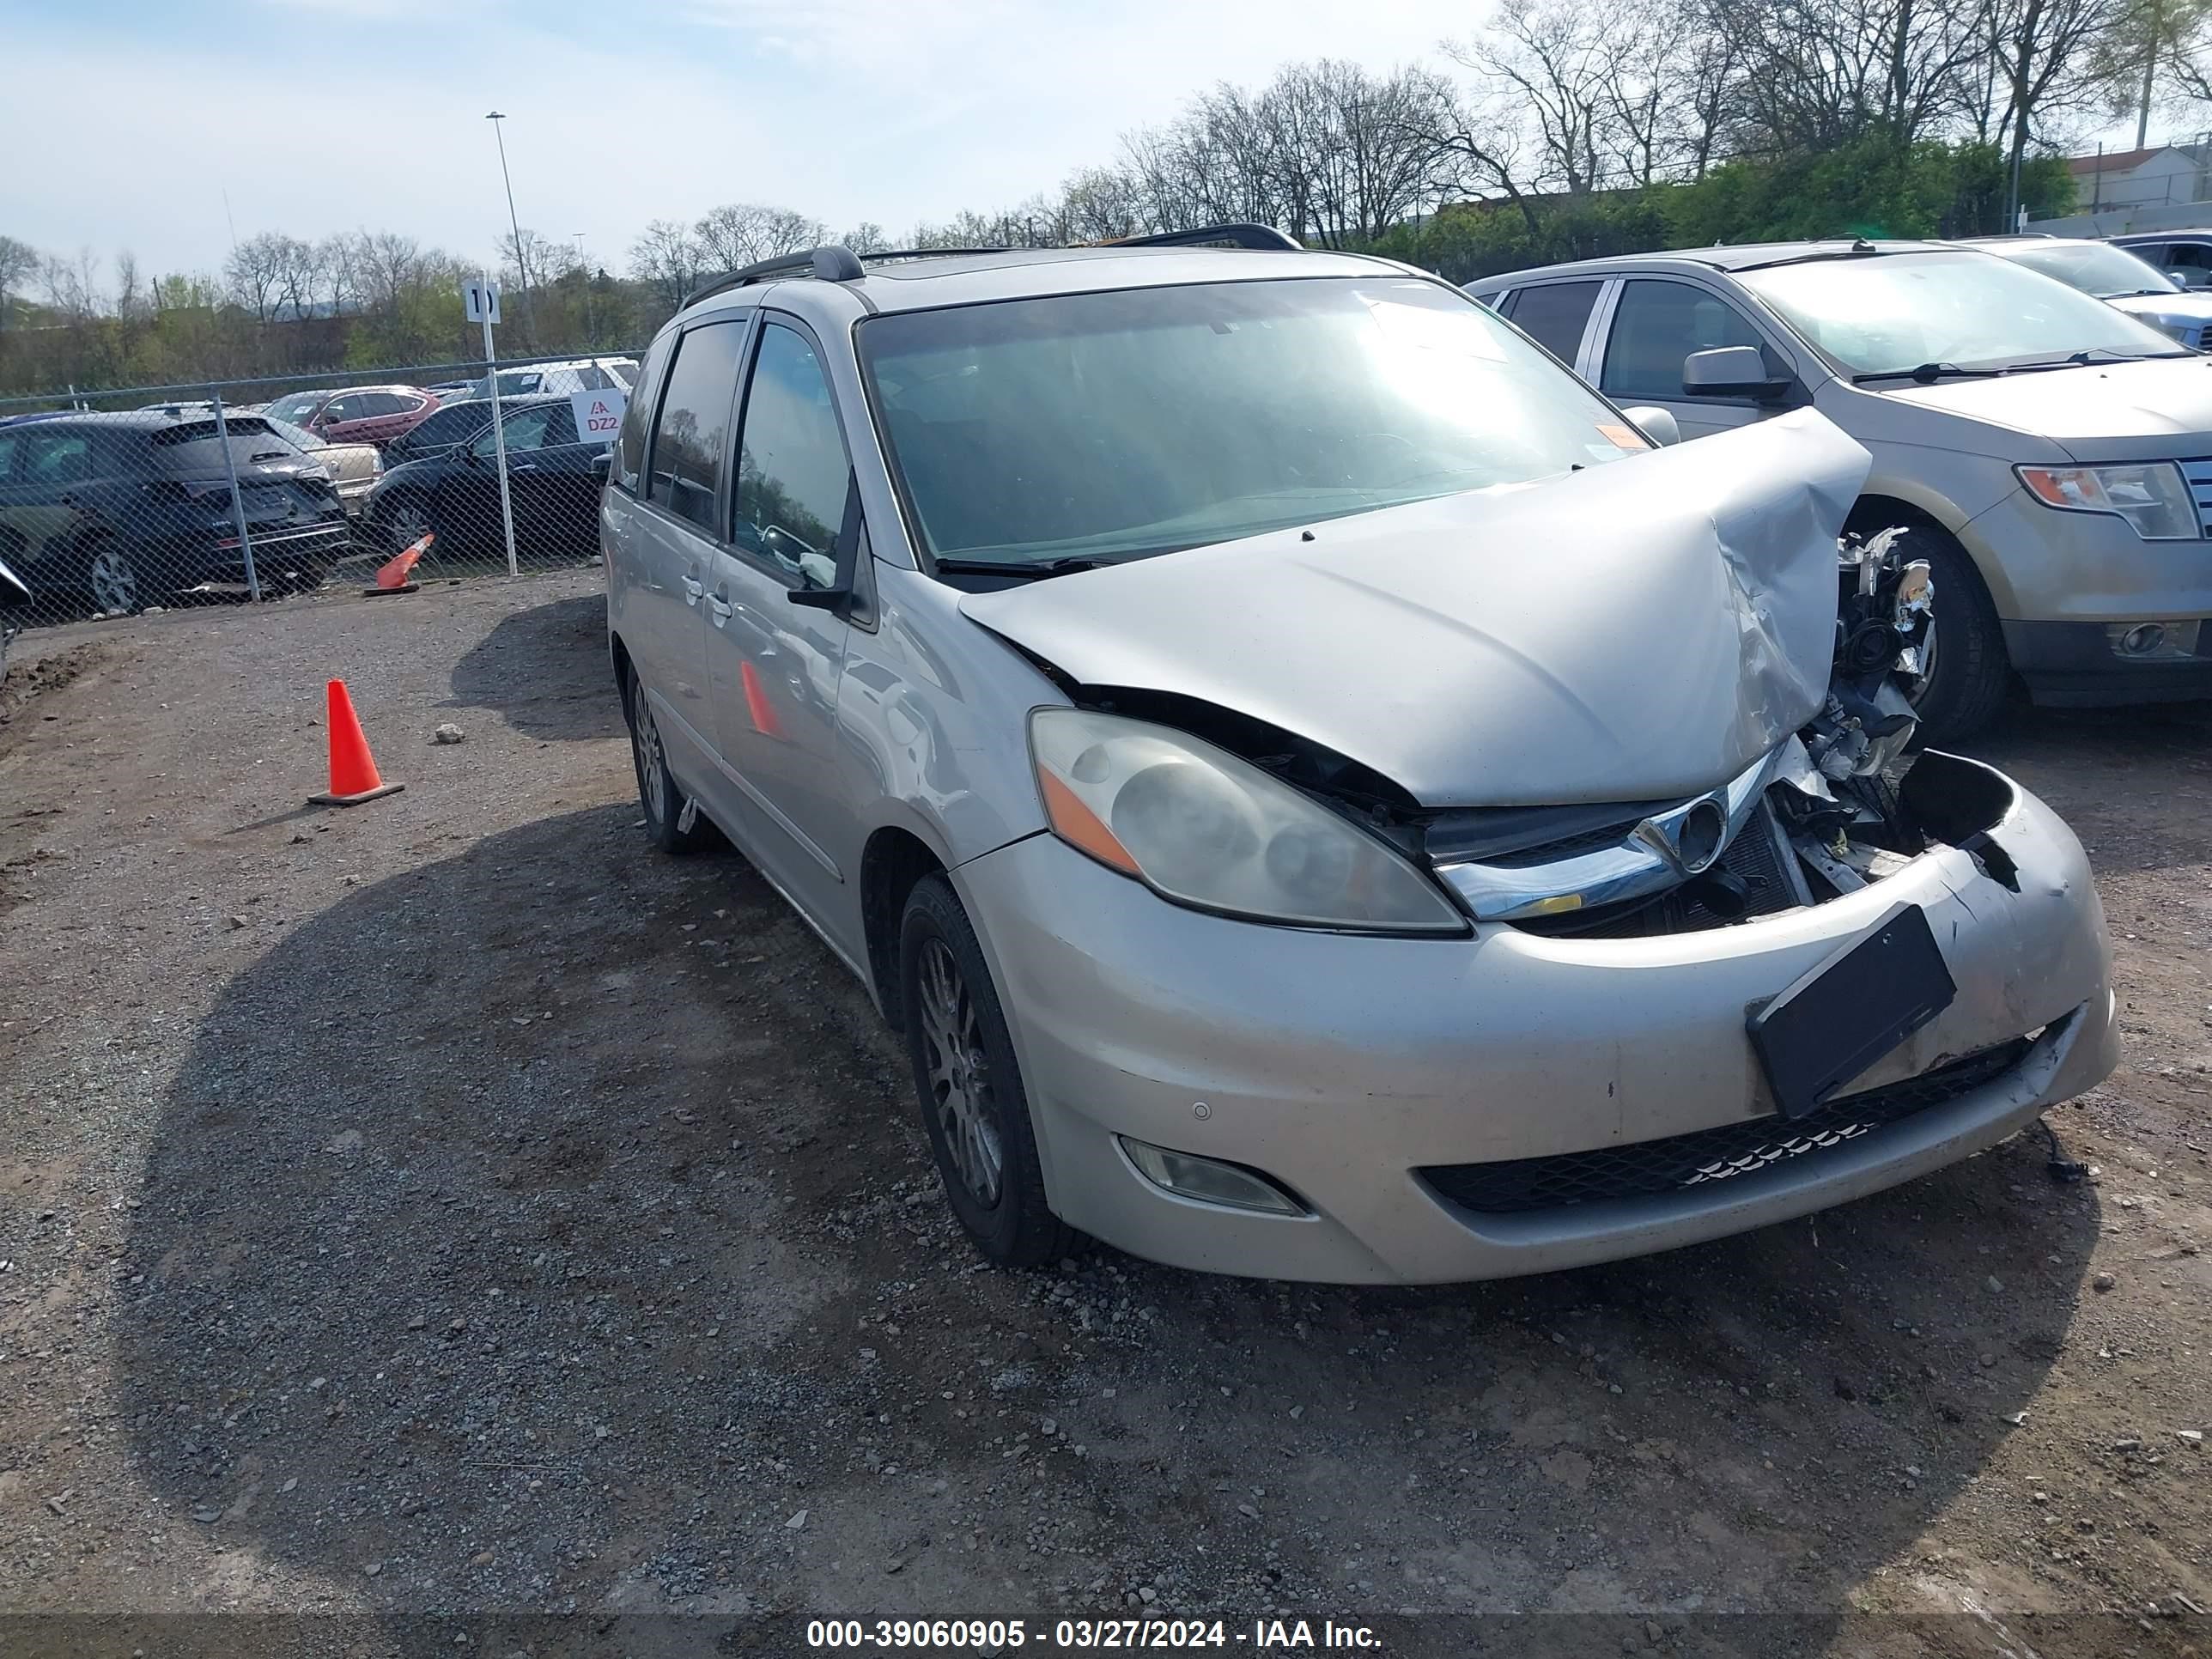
column 1972, row 673
column 664, row 803
column 973, row 1104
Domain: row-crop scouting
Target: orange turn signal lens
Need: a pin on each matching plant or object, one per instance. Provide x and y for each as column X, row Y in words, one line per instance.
column 1081, row 828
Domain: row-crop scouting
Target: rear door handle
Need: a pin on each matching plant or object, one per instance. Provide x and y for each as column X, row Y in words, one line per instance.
column 720, row 611
column 692, row 590
column 523, row 466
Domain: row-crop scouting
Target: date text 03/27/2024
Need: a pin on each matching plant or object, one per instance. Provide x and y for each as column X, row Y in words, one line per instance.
column 1006, row 1635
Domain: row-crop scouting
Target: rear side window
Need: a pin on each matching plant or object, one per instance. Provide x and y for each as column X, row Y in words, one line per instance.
column 1553, row 315
column 56, row 458
column 694, row 426
column 1656, row 325
column 450, row 425
column 793, row 473
column 194, row 448
column 629, row 448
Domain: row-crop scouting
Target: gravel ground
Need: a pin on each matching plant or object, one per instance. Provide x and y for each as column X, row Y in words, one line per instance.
column 451, row 1219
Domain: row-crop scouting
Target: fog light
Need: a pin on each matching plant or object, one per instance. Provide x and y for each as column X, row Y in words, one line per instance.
column 2164, row 640
column 1209, row 1180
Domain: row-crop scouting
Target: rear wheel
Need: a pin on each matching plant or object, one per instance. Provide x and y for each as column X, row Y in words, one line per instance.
column 974, row 1107
column 113, row 579
column 671, row 823
column 1968, row 674
column 406, row 523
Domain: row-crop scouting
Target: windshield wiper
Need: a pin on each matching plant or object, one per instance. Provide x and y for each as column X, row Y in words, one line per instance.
column 1927, row 375
column 2082, row 358
column 1021, row 567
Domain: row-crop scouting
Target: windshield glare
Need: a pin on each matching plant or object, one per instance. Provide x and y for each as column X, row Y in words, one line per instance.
column 299, row 406
column 1895, row 312
column 2095, row 268
column 1113, row 426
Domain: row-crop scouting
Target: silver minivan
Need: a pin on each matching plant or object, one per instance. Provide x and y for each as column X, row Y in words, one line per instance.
column 1319, row 794
column 2052, row 456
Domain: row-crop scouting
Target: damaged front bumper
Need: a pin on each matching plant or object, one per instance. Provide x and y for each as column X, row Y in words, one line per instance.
column 1366, row 1075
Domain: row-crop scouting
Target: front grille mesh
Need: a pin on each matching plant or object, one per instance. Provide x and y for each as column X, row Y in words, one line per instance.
column 1703, row 1156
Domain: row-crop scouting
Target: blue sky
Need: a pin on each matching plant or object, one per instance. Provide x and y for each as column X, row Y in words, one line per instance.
column 322, row 115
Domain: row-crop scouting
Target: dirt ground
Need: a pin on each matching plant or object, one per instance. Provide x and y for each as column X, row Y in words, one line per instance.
column 456, row 1222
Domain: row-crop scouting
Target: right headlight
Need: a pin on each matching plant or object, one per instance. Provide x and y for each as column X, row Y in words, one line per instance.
column 2151, row 495
column 1202, row 828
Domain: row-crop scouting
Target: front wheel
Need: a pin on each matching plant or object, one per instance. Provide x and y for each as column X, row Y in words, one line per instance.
column 974, row 1107
column 1968, row 672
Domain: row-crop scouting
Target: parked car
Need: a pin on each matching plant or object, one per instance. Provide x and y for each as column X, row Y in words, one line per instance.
column 127, row 508
column 2047, row 451
column 2113, row 275
column 353, row 468
column 449, row 424
column 578, row 374
column 553, row 481
column 1320, row 794
column 2186, row 256
column 360, row 414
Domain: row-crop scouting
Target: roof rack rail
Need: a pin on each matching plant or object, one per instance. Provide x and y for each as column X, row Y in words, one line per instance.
column 832, row 264
column 1265, row 237
column 926, row 252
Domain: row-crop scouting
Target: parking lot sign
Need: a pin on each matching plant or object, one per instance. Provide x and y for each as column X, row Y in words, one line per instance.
column 600, row 414
column 480, row 299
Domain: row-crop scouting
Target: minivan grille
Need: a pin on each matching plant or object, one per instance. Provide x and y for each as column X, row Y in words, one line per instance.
column 2199, row 475
column 1641, row 1168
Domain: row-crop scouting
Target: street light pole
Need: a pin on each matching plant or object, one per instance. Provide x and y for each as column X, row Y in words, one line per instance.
column 521, row 264
column 591, row 328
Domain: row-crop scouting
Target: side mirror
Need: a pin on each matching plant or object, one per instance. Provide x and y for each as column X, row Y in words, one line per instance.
column 601, row 461
column 1656, row 424
column 838, row 596
column 1732, row 372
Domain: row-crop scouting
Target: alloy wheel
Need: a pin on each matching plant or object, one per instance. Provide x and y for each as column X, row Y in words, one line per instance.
column 115, row 583
column 408, row 524
column 959, row 1074
column 652, row 764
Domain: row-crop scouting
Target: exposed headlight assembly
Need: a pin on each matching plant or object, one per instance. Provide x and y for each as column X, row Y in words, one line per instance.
column 2151, row 495
column 1202, row 828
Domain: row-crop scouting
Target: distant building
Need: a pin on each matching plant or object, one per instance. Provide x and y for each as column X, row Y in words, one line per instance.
column 2163, row 175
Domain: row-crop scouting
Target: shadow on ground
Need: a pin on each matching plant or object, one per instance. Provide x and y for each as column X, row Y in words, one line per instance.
column 596, row 1242
column 545, row 671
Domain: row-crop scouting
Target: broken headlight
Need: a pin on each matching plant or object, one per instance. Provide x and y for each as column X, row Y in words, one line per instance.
column 1201, row 827
column 2151, row 495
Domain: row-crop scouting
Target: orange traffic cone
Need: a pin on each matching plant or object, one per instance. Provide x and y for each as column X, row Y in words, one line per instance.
column 394, row 575
column 353, row 772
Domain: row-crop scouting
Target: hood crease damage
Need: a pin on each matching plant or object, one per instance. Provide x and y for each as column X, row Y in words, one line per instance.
column 1481, row 650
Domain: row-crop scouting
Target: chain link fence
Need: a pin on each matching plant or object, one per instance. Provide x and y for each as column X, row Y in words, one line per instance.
column 132, row 498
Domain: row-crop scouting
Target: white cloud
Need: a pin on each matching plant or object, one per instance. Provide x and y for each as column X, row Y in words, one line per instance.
column 321, row 115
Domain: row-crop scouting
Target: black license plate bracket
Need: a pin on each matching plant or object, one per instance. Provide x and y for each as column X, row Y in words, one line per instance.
column 1849, row 1011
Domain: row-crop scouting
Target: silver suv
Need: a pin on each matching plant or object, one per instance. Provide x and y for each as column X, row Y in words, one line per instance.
column 2052, row 456
column 1321, row 795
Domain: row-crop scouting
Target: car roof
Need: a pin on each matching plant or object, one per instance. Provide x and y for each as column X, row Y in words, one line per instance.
column 2156, row 235
column 1747, row 256
column 929, row 281
column 143, row 420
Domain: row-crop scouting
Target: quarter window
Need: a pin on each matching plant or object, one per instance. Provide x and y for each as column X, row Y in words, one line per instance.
column 1656, row 325
column 693, row 427
column 628, row 466
column 793, row 472
column 1553, row 314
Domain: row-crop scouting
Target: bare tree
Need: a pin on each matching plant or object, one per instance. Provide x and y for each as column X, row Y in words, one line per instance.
column 1560, row 59
column 744, row 233
column 668, row 259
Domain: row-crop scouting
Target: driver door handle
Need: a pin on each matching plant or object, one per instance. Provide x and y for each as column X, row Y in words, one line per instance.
column 720, row 611
column 692, row 590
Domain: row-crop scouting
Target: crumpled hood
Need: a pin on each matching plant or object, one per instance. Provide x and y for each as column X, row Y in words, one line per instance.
column 1642, row 630
column 2086, row 410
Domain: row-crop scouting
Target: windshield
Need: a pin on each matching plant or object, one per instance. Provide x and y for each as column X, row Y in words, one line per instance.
column 2098, row 268
column 298, row 408
column 1890, row 313
column 1114, row 426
